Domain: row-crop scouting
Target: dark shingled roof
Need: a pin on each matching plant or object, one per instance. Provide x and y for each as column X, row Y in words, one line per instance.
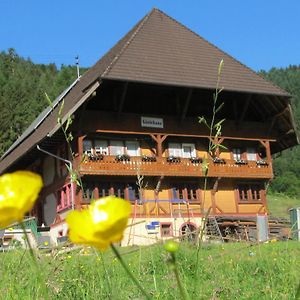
column 161, row 50
column 156, row 50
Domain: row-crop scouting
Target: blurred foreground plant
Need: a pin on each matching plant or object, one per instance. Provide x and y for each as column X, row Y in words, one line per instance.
column 100, row 225
column 172, row 247
column 18, row 193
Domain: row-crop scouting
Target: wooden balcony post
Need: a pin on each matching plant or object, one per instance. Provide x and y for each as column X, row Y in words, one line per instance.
column 268, row 151
column 266, row 144
column 78, row 199
column 80, row 146
column 159, row 146
column 159, row 139
column 217, row 142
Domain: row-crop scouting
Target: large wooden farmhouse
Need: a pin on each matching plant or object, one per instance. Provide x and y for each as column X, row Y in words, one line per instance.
column 136, row 135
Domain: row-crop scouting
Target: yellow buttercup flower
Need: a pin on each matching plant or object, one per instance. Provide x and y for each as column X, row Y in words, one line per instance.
column 18, row 192
column 101, row 224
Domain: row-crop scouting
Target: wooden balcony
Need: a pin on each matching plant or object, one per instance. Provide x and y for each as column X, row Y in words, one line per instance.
column 109, row 165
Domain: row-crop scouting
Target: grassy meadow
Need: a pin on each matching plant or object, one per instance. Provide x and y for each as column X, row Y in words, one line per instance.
column 228, row 271
column 279, row 205
column 225, row 271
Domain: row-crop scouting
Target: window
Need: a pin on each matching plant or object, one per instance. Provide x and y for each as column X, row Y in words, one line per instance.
column 63, row 198
column 178, row 193
column 175, row 149
column 133, row 192
column 116, row 148
column 87, row 146
column 249, row 192
column 101, row 147
column 188, row 232
column 88, row 194
column 166, row 229
column 104, row 190
column 251, row 154
column 243, row 192
column 119, row 190
column 188, row 150
column 187, row 192
column 132, row 148
column 185, row 150
column 192, row 194
column 237, row 154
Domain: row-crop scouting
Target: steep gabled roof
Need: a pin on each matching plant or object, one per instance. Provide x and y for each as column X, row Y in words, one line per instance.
column 161, row 50
column 156, row 50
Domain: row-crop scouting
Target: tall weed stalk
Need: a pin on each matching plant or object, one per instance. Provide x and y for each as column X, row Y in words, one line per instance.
column 215, row 131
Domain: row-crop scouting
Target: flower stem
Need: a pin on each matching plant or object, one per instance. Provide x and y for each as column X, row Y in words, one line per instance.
column 107, row 278
column 40, row 276
column 182, row 290
column 29, row 244
column 200, row 237
column 116, row 252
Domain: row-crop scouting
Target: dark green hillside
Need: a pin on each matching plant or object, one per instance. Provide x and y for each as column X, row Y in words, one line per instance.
column 22, row 92
column 287, row 166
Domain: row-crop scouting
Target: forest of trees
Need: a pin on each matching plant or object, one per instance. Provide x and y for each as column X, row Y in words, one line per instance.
column 23, row 85
column 287, row 166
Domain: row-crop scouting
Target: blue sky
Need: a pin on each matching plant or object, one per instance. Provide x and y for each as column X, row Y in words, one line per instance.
column 260, row 33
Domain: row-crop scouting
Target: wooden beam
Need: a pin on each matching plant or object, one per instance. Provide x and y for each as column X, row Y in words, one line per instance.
column 213, row 202
column 281, row 112
column 266, row 144
column 286, row 133
column 186, row 104
column 158, row 138
column 150, row 147
column 122, row 100
column 276, row 108
column 271, row 103
column 216, row 184
column 163, row 137
column 217, row 141
column 275, row 117
column 278, row 115
column 158, row 185
column 80, row 147
column 152, row 134
column 236, row 200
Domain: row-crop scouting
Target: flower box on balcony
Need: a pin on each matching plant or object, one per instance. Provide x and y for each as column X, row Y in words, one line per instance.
column 95, row 157
column 196, row 160
column 218, row 160
column 240, row 162
column 122, row 157
column 261, row 162
column 148, row 158
column 173, row 159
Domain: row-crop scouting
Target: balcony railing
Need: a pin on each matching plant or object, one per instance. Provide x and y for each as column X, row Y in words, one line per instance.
column 110, row 165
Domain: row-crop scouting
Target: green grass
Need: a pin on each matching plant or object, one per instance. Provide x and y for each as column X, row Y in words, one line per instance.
column 229, row 271
column 279, row 204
